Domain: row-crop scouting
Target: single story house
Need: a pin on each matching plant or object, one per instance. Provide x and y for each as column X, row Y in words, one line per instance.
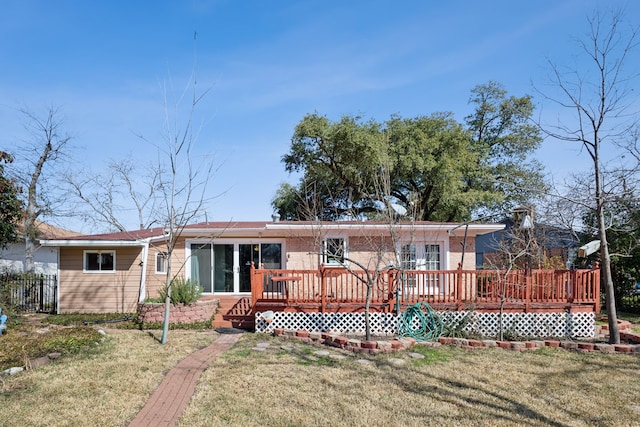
column 314, row 270
column 113, row 272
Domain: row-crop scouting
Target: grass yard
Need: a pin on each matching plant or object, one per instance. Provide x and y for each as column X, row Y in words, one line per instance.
column 450, row 386
column 103, row 386
column 290, row 384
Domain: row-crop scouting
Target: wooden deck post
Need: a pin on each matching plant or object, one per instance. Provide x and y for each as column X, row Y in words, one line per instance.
column 596, row 285
column 323, row 289
column 256, row 284
column 459, row 286
column 527, row 290
column 392, row 282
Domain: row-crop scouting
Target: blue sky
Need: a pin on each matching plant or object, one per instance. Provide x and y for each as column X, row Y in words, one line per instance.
column 268, row 63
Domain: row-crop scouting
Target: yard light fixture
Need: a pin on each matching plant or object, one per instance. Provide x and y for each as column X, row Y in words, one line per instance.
column 526, row 213
column 527, row 222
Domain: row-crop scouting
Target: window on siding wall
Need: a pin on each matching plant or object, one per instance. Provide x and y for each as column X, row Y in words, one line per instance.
column 100, row 261
column 432, row 257
column 161, row 262
column 333, row 251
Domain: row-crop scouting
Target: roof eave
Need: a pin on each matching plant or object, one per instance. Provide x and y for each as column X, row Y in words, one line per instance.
column 93, row 243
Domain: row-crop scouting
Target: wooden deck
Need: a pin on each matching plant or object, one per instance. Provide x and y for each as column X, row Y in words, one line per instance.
column 339, row 290
column 332, row 290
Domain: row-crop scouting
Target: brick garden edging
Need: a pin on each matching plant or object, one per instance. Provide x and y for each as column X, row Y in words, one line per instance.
column 389, row 346
column 201, row 311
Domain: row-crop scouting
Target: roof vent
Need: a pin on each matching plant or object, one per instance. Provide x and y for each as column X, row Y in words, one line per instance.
column 275, row 217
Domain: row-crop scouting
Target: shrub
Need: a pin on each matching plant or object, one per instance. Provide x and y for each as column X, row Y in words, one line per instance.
column 458, row 328
column 182, row 291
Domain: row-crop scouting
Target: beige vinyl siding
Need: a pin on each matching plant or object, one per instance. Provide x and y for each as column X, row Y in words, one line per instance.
column 155, row 281
column 112, row 292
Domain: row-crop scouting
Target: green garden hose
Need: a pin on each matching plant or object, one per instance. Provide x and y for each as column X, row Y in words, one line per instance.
column 430, row 326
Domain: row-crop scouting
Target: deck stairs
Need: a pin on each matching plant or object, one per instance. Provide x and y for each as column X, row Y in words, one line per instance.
column 234, row 312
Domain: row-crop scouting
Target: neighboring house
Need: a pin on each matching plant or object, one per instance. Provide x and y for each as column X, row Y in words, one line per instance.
column 12, row 258
column 560, row 246
column 113, row 272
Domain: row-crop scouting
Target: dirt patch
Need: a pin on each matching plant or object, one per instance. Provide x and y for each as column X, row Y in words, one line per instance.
column 34, row 319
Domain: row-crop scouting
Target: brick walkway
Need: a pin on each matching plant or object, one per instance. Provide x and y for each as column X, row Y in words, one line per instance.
column 172, row 396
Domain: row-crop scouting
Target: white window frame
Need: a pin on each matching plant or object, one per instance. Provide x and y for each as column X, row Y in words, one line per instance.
column 427, row 262
column 99, row 252
column 408, row 256
column 324, row 258
column 161, row 256
column 426, row 283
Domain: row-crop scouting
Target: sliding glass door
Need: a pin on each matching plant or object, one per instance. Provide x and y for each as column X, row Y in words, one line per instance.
column 226, row 267
column 201, row 266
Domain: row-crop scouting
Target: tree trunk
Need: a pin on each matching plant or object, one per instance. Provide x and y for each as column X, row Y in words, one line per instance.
column 605, row 259
column 607, row 279
column 32, row 211
column 367, row 315
column 167, row 301
column 29, row 243
column 501, row 319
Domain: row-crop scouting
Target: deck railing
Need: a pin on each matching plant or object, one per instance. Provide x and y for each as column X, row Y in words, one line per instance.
column 449, row 287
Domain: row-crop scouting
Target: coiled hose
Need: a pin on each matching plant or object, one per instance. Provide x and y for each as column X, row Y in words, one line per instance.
column 430, row 323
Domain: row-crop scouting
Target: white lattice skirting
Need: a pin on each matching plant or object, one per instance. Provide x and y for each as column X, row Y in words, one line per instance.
column 539, row 325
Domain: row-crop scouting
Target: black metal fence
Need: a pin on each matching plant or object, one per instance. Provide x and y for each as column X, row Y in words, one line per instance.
column 30, row 292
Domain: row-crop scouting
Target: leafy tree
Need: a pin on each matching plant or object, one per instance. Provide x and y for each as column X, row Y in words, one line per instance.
column 440, row 170
column 504, row 137
column 435, row 168
column 10, row 205
column 338, row 162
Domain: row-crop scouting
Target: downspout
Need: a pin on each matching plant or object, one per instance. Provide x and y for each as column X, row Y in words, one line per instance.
column 143, row 273
column 58, row 280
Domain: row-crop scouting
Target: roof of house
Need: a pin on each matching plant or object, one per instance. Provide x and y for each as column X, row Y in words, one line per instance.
column 48, row 231
column 260, row 228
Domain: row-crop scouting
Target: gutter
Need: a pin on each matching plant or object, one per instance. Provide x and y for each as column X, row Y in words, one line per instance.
column 94, row 243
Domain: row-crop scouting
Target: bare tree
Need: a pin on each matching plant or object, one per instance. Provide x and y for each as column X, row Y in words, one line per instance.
column 517, row 252
column 119, row 194
column 181, row 183
column 597, row 95
column 38, row 158
column 385, row 247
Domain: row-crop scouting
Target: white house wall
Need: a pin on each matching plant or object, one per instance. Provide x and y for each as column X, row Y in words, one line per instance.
column 45, row 259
